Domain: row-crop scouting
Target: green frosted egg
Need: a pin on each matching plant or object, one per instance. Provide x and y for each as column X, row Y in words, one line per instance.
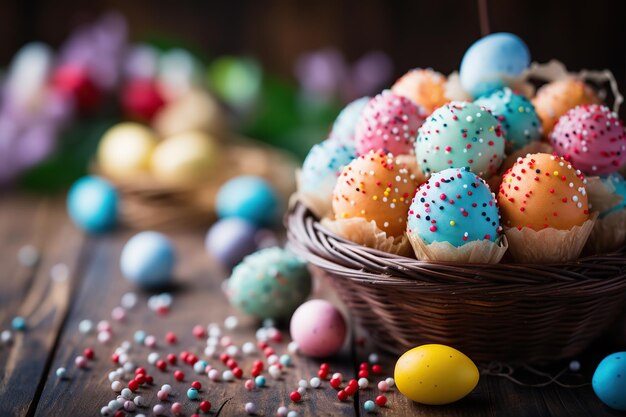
column 270, row 283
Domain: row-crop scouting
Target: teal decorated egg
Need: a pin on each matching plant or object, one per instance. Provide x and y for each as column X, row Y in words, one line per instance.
column 455, row 206
column 345, row 123
column 609, row 381
column 517, row 114
column 270, row 283
column 492, row 62
column 460, row 134
column 617, row 183
column 323, row 165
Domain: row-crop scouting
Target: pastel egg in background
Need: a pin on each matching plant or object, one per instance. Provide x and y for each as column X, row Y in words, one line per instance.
column 148, row 260
column 92, row 204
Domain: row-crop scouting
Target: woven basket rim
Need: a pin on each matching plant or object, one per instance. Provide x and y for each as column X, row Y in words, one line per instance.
column 323, row 248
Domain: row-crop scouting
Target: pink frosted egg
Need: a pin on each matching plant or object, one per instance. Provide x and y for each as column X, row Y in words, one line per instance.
column 591, row 137
column 389, row 122
column 318, row 328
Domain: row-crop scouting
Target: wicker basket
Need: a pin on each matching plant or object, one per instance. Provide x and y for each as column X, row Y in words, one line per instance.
column 502, row 312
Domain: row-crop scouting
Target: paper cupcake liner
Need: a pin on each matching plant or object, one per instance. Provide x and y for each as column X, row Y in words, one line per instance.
column 608, row 234
column 320, row 206
column 548, row 245
column 478, row 251
column 601, row 195
column 359, row 230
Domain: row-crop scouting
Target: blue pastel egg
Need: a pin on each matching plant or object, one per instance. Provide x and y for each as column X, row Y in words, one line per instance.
column 249, row 198
column 229, row 240
column 148, row 259
column 456, row 206
column 345, row 123
column 617, row 183
column 92, row 204
column 323, row 165
column 609, row 381
column 517, row 114
column 491, row 62
column 270, row 283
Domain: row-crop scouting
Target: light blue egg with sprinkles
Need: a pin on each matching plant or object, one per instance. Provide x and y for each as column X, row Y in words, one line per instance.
column 92, row 204
column 617, row 184
column 250, row 198
column 517, row 114
column 492, row 62
column 148, row 259
column 323, row 165
column 455, row 206
column 345, row 123
column 460, row 134
column 269, row 284
column 609, row 381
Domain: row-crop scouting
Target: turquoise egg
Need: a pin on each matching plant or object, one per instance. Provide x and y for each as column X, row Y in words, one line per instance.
column 491, row 62
column 460, row 134
column 345, row 123
column 148, row 259
column 92, row 204
column 270, row 283
column 517, row 114
column 609, row 381
column 456, row 206
column 323, row 165
column 249, row 198
column 617, row 183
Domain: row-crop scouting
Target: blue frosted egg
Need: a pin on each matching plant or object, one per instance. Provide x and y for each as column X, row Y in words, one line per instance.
column 230, row 240
column 148, row 259
column 345, row 123
column 609, row 381
column 270, row 283
column 249, row 198
column 491, row 62
column 519, row 119
column 92, row 204
column 454, row 205
column 617, row 183
column 323, row 165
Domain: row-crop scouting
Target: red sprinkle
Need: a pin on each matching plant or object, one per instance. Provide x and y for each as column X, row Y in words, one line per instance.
column 335, row 383
column 197, row 385
column 377, row 369
column 171, row 358
column 88, row 353
column 342, row 395
column 295, row 396
column 170, row 337
column 381, row 400
column 199, row 331
column 161, row 365
column 133, row 385
column 238, row 372
column 205, row 406
column 179, row 375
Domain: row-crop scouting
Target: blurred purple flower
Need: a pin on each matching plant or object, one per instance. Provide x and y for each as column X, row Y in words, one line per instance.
column 325, row 74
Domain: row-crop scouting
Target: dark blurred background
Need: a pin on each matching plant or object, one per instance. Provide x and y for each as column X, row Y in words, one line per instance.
column 435, row 33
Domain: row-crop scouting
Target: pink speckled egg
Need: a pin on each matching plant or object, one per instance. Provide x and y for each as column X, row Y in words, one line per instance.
column 592, row 137
column 389, row 122
column 318, row 328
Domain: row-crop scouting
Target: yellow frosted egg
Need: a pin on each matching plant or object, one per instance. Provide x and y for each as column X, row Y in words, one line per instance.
column 435, row 374
column 184, row 158
column 125, row 149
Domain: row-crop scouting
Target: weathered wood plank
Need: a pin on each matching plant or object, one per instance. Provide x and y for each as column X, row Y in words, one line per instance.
column 33, row 294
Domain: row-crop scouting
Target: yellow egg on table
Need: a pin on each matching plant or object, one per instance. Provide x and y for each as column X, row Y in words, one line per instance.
column 435, row 374
column 125, row 149
column 184, row 158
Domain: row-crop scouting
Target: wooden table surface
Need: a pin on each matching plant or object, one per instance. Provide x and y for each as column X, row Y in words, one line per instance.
column 54, row 304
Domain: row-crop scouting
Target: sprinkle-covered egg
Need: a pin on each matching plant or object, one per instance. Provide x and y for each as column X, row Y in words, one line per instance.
column 555, row 99
column 344, row 126
column 126, row 149
column 323, row 165
column 456, row 206
column 377, row 188
column 543, row 190
column 318, row 328
column 388, row 122
column 92, row 204
column 250, row 198
column 519, row 119
column 492, row 62
column 615, row 182
column 460, row 134
column 592, row 137
column 270, row 283
column 609, row 381
column 435, row 374
column 424, row 87
column 148, row 259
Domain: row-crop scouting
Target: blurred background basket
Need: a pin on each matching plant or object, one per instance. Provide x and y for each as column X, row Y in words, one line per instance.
column 501, row 312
